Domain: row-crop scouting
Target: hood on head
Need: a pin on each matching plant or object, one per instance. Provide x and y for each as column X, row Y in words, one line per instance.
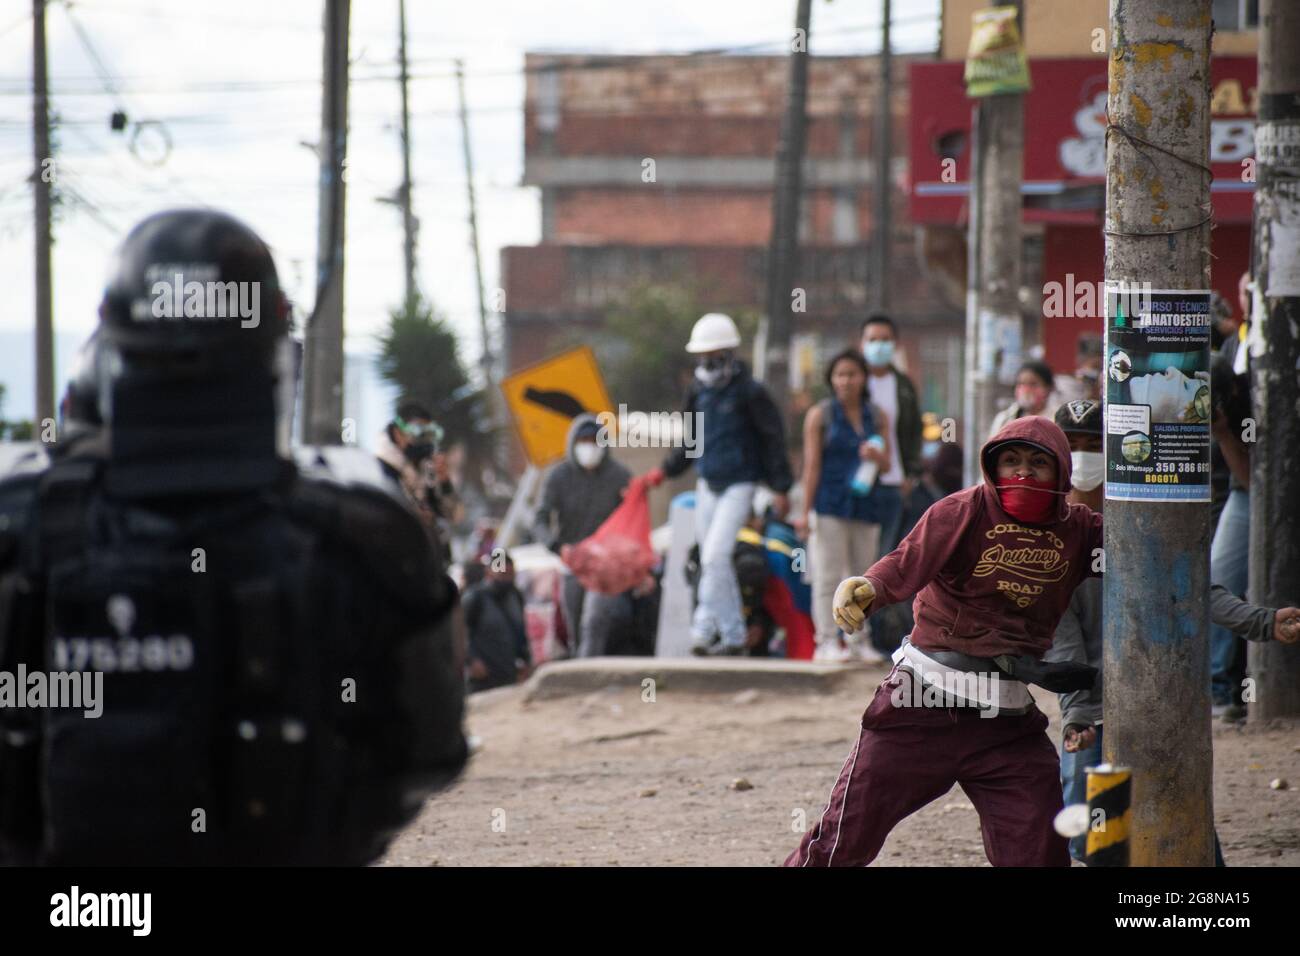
column 1035, row 431
column 585, row 421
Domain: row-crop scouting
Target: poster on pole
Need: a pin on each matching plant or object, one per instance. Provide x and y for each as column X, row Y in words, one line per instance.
column 995, row 60
column 1157, row 394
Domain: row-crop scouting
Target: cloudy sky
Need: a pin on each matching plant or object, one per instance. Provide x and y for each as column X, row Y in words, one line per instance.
column 235, row 87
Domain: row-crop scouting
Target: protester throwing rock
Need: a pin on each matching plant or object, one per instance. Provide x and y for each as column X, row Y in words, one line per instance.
column 995, row 565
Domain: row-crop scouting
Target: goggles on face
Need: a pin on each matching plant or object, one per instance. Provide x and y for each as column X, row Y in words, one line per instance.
column 431, row 430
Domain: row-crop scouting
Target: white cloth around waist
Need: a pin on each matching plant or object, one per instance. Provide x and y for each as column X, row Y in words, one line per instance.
column 1005, row 694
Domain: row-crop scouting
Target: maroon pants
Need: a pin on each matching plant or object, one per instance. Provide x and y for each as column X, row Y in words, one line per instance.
column 908, row 756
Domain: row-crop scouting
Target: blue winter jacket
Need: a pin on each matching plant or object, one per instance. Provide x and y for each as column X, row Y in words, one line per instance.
column 740, row 436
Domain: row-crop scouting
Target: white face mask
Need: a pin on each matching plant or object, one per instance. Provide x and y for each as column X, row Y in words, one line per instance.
column 588, row 454
column 714, row 372
column 1088, row 469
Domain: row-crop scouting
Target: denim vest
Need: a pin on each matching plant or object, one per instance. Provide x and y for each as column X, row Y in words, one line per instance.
column 839, row 462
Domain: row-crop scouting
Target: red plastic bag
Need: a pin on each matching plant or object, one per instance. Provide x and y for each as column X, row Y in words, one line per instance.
column 617, row 556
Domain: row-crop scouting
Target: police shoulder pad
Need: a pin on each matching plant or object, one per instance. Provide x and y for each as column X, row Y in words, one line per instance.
column 345, row 489
column 19, row 494
column 24, row 472
column 22, row 458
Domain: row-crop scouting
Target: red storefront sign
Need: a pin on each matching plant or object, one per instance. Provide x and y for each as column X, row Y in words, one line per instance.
column 1065, row 130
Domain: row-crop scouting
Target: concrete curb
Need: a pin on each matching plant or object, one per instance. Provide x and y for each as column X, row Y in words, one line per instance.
column 488, row 698
column 694, row 674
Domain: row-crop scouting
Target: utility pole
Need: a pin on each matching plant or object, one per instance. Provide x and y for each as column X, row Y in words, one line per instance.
column 323, row 372
column 1275, row 355
column 994, row 329
column 1156, row 558
column 404, row 197
column 486, row 362
column 785, row 213
column 42, row 174
column 880, row 245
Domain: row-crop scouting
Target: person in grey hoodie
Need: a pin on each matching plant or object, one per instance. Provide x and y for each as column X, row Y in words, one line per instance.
column 578, row 495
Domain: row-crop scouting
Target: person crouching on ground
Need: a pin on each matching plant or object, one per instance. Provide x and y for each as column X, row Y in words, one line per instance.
column 497, row 651
column 740, row 442
column 995, row 565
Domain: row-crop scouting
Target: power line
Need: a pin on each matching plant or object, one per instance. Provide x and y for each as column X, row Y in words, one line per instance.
column 99, row 149
column 16, row 23
column 599, row 61
column 92, row 54
column 667, row 107
column 701, row 61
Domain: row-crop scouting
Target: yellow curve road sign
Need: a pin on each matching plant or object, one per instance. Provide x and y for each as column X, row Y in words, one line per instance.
column 545, row 398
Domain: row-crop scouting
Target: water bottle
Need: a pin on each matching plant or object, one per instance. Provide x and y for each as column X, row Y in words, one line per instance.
column 864, row 479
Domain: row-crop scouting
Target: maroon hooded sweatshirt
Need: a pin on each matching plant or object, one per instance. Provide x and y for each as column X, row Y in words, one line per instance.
column 987, row 583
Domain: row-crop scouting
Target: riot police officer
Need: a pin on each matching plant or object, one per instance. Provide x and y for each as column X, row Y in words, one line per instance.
column 279, row 681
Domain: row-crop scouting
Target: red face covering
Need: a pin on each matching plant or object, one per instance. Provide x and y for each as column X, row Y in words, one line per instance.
column 1028, row 499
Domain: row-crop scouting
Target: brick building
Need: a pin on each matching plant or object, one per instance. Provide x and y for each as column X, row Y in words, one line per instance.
column 710, row 124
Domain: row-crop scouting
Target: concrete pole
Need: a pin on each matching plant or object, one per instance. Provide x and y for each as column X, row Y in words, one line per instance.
column 971, row 435
column 882, row 194
column 994, row 328
column 323, row 361
column 785, row 214
column 42, row 175
column 408, row 216
column 1157, row 567
column 485, row 337
column 1275, row 356
column 492, row 367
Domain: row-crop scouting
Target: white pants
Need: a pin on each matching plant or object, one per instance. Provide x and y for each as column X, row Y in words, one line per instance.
column 718, row 517
column 839, row 548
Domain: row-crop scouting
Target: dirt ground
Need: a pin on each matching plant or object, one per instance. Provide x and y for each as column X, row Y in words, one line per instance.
column 607, row 779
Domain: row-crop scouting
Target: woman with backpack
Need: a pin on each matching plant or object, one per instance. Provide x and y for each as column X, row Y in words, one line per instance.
column 846, row 444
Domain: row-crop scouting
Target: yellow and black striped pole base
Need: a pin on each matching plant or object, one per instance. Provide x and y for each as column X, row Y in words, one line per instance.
column 1109, row 792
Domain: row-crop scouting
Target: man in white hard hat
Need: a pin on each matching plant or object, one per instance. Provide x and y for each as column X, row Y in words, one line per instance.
column 742, row 443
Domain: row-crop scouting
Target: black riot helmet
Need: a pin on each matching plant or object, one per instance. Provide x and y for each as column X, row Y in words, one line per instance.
column 80, row 406
column 191, row 343
column 190, row 280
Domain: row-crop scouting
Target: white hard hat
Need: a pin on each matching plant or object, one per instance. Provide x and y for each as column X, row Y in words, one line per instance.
column 712, row 333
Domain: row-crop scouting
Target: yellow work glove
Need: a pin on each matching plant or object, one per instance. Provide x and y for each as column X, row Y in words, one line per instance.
column 852, row 598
